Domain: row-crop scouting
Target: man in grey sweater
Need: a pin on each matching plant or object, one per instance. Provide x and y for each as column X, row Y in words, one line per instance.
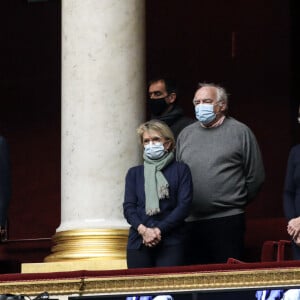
column 227, row 170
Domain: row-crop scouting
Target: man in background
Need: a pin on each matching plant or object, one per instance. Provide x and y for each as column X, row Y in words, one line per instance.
column 162, row 103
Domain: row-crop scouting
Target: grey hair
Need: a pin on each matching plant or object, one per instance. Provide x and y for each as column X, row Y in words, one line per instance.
column 222, row 95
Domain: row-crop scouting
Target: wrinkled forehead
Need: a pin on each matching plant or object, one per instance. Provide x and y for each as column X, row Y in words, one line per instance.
column 206, row 92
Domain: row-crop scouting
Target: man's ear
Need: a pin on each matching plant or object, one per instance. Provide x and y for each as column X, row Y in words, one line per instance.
column 172, row 98
column 222, row 105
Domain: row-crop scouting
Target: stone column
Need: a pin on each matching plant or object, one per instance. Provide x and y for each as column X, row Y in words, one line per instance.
column 103, row 92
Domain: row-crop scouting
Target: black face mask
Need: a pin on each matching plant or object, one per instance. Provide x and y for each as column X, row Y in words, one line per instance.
column 157, row 106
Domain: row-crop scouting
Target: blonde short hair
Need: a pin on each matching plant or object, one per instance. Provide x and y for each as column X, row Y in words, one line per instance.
column 160, row 127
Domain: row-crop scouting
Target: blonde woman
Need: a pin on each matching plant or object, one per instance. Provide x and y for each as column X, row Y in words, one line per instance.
column 158, row 195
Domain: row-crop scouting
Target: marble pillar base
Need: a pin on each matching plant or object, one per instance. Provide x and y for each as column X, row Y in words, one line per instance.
column 96, row 264
column 85, row 244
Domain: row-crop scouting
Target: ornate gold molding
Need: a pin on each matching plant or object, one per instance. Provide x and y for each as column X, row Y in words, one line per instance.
column 180, row 282
column 194, row 281
column 35, row 287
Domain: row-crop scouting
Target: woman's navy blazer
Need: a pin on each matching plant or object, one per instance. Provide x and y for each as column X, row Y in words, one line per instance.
column 173, row 210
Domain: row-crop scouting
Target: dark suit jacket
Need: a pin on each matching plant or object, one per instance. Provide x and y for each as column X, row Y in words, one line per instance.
column 291, row 195
column 5, row 181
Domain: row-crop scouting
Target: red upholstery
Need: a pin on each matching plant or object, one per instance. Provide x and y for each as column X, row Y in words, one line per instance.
column 284, row 250
column 269, row 251
column 231, row 260
column 261, row 231
column 276, row 251
column 150, row 271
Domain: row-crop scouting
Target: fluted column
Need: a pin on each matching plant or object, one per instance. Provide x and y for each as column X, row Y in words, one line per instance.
column 103, row 86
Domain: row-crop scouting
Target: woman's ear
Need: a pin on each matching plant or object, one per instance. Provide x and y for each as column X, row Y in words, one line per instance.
column 167, row 145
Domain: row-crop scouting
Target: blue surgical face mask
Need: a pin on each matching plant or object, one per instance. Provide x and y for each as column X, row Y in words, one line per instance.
column 154, row 151
column 205, row 113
